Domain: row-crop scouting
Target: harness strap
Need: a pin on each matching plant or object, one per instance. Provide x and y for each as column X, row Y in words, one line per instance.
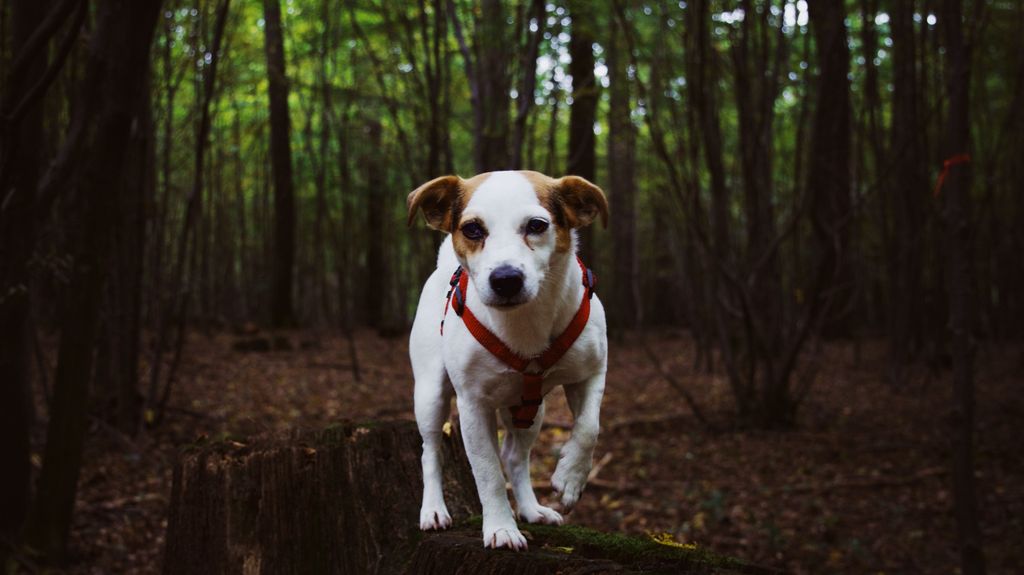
column 531, row 397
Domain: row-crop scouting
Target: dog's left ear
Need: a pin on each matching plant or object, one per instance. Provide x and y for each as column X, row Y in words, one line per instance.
column 582, row 200
column 439, row 200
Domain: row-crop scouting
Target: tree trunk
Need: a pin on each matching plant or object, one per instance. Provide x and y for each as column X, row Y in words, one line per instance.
column 908, row 194
column 117, row 65
column 117, row 369
column 20, row 161
column 701, row 86
column 528, row 82
column 829, row 176
column 492, row 67
column 959, row 282
column 582, row 159
column 622, row 179
column 346, row 500
column 342, row 500
column 486, row 65
column 377, row 275
column 700, row 67
column 281, row 166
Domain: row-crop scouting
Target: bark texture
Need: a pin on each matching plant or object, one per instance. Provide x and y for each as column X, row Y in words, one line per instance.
column 342, row 500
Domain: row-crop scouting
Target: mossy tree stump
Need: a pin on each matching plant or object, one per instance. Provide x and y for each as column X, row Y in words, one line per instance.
column 345, row 500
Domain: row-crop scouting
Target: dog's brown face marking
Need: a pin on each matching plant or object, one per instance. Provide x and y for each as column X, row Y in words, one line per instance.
column 470, row 237
column 467, row 244
column 572, row 201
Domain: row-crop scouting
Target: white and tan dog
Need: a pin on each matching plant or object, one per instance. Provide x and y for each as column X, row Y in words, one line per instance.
column 514, row 234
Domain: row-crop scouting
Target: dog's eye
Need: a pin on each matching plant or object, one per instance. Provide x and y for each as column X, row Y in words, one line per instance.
column 473, row 231
column 536, row 226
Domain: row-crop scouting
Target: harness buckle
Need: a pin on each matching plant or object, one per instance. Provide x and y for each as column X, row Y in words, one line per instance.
column 458, row 301
column 590, row 280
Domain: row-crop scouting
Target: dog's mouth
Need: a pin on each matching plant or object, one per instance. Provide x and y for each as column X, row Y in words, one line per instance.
column 507, row 303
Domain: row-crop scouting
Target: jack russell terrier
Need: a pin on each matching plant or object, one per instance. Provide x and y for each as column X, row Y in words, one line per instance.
column 519, row 319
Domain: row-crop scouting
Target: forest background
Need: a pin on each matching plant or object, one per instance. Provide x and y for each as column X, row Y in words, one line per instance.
column 786, row 178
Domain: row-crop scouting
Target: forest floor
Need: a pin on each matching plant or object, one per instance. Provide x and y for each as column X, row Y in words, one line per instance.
column 861, row 486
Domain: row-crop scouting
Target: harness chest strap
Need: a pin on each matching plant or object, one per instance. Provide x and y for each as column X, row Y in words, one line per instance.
column 531, row 398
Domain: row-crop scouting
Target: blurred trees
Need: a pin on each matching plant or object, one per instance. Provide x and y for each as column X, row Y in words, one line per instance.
column 85, row 178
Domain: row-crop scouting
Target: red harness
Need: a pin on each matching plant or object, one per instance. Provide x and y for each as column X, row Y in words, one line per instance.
column 526, row 411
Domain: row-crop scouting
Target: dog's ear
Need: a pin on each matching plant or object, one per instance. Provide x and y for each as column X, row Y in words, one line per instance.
column 440, row 201
column 582, row 201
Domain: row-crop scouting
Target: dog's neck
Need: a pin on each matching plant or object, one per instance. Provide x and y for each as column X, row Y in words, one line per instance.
column 528, row 329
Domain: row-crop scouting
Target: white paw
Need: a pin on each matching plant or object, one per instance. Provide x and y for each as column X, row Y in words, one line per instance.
column 540, row 514
column 434, row 516
column 569, row 479
column 504, row 535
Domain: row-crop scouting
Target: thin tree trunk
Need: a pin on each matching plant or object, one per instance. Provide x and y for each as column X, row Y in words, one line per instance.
column 117, row 369
column 377, row 289
column 486, row 68
column 528, row 81
column 959, row 276
column 582, row 159
column 281, row 165
column 551, row 159
column 701, row 66
column 907, row 193
column 622, row 179
column 22, row 144
column 829, row 175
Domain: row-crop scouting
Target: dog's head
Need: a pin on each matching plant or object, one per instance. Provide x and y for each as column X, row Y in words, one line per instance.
column 508, row 227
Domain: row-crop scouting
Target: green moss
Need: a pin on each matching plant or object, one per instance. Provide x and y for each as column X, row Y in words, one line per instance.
column 628, row 550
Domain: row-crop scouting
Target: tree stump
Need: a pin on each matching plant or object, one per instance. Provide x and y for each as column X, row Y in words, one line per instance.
column 345, row 500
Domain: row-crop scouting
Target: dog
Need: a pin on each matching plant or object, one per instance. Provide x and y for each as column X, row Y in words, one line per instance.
column 509, row 268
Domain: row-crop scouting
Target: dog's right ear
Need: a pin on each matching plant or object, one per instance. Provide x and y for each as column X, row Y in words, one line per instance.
column 440, row 200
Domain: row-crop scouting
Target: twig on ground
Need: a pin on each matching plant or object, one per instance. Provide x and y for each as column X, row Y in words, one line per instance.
column 679, row 387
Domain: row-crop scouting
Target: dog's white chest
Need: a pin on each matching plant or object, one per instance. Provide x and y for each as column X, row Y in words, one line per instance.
column 479, row 375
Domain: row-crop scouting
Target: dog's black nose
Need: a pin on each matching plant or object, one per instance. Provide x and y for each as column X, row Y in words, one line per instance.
column 506, row 281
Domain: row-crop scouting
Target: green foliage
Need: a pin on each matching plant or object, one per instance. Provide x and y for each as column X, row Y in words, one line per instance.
column 367, row 61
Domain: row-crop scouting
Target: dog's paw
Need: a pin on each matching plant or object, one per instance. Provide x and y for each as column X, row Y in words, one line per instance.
column 569, row 479
column 540, row 514
column 433, row 516
column 504, row 535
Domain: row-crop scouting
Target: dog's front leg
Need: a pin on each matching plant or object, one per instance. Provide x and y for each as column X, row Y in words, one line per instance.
column 577, row 456
column 480, row 435
column 515, row 452
column 433, row 398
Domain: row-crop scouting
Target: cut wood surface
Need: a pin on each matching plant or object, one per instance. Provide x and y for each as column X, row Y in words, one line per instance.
column 346, row 500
